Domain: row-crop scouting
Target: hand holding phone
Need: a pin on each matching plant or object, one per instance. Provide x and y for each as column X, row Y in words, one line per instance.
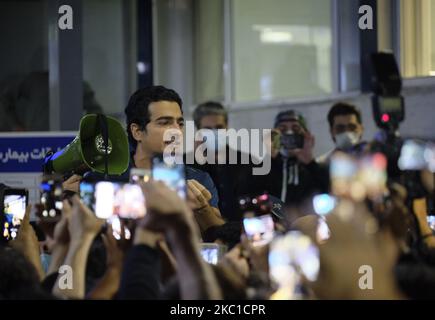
column 108, row 199
column 14, row 206
column 51, row 204
column 291, row 256
column 212, row 252
column 173, row 176
column 259, row 230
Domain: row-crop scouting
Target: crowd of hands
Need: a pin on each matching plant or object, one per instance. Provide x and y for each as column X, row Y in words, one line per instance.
column 172, row 227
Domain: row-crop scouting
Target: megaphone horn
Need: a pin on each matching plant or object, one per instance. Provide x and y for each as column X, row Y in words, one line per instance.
column 101, row 146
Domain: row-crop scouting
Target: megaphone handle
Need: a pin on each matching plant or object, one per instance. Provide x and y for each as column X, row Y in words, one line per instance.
column 105, row 134
column 47, row 167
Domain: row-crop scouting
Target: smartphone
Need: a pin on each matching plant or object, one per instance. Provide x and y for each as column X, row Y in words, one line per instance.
column 212, row 252
column 50, row 201
column 109, row 199
column 431, row 222
column 293, row 253
column 343, row 169
column 358, row 178
column 14, row 208
column 417, row 155
column 117, row 225
column 372, row 175
column 259, row 230
column 137, row 175
column 291, row 141
column 173, row 175
column 412, row 155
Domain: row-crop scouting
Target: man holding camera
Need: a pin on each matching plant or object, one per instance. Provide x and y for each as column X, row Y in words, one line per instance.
column 294, row 173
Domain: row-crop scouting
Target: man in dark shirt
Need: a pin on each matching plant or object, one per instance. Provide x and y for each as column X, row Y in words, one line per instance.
column 226, row 176
column 150, row 113
column 294, row 173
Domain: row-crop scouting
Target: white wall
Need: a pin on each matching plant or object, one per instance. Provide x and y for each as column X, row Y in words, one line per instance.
column 419, row 122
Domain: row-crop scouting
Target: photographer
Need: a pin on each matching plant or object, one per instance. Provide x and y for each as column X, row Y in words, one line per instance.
column 294, row 174
column 346, row 129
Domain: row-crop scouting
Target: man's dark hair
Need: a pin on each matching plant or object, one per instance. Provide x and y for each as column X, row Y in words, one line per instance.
column 18, row 277
column 207, row 109
column 343, row 109
column 137, row 107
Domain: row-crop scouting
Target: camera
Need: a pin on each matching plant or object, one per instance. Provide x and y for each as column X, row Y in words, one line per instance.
column 291, row 141
column 387, row 102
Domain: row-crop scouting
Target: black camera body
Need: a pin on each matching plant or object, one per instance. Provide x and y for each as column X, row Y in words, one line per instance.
column 291, row 141
column 387, row 101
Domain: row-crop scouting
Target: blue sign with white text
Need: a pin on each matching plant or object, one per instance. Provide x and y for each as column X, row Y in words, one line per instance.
column 26, row 153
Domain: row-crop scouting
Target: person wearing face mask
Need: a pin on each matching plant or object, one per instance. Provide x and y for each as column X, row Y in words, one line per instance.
column 346, row 130
column 294, row 174
column 225, row 175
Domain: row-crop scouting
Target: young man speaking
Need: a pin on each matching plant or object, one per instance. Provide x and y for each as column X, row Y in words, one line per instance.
column 150, row 112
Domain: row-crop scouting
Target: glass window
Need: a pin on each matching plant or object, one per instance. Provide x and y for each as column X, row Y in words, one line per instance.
column 108, row 57
column 24, row 94
column 281, row 49
column 417, row 38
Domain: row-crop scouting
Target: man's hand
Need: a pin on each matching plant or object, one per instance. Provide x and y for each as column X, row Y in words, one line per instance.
column 305, row 155
column 72, row 183
column 27, row 243
column 198, row 196
column 83, row 222
column 165, row 209
column 355, row 241
column 114, row 253
column 236, row 262
column 61, row 234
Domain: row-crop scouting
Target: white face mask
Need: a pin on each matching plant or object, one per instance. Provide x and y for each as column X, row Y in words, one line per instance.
column 346, row 140
column 216, row 141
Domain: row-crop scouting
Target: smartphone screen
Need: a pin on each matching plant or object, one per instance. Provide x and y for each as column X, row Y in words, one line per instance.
column 343, row 169
column 412, row 155
column 293, row 252
column 212, row 252
column 108, row 199
column 259, row 230
column 172, row 175
column 372, row 175
column 51, row 204
column 431, row 222
column 14, row 209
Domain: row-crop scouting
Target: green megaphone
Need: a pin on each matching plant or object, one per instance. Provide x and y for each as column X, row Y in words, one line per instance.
column 88, row 149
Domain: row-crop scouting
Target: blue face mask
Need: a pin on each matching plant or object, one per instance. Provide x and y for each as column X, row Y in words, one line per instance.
column 45, row 261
